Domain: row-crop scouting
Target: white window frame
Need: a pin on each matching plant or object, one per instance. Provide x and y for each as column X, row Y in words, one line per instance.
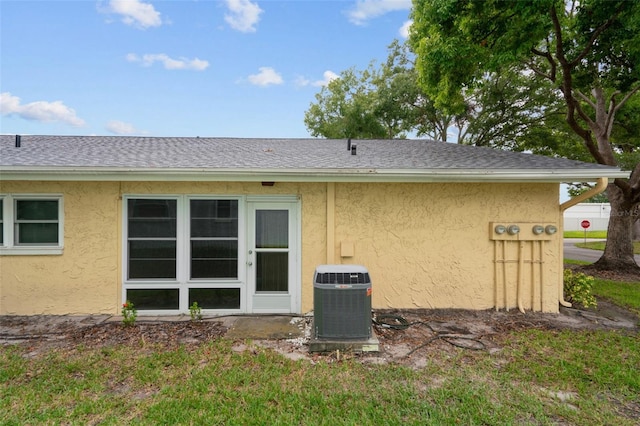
column 183, row 282
column 9, row 246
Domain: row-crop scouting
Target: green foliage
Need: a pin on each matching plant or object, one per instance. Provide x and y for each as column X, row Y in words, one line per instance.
column 383, row 102
column 585, row 53
column 577, row 288
column 129, row 314
column 195, row 312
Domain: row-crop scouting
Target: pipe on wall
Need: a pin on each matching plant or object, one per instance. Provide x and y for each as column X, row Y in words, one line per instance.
column 601, row 185
column 331, row 222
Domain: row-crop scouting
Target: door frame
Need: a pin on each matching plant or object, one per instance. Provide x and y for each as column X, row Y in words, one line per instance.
column 292, row 205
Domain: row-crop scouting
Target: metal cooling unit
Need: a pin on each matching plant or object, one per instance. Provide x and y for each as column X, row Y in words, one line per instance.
column 342, row 302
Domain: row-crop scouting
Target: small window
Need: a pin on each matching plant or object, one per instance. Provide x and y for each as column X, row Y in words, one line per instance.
column 31, row 224
column 36, row 222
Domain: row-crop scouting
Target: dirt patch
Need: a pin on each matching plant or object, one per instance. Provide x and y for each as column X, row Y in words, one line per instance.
column 419, row 336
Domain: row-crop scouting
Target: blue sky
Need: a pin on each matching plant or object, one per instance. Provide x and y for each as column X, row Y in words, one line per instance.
column 238, row 68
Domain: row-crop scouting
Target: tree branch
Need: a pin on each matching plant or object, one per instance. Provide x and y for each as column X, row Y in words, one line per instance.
column 567, row 90
column 585, row 98
column 626, row 98
column 595, row 35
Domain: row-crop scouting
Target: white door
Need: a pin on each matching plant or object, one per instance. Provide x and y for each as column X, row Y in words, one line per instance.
column 273, row 283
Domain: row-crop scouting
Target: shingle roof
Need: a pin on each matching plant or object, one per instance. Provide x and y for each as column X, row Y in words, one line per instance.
column 264, row 156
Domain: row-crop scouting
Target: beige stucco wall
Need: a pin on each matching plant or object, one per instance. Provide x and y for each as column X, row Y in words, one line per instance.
column 425, row 245
column 84, row 279
column 430, row 246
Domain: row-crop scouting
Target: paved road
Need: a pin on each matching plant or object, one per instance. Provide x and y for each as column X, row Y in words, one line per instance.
column 575, row 253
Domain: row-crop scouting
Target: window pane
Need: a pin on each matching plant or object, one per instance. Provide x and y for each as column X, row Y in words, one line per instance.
column 1, row 222
column 215, row 298
column 223, row 268
column 272, row 271
column 37, row 233
column 151, row 218
column 214, row 249
column 214, row 259
column 155, row 249
column 152, row 259
column 156, row 299
column 37, row 209
column 214, row 218
column 272, row 228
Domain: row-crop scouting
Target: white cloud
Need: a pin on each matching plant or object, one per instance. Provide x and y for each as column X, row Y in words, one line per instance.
column 301, row 81
column 243, row 15
column 169, row 63
column 365, row 10
column 266, row 77
column 404, row 29
column 328, row 76
column 134, row 12
column 42, row 111
column 121, row 128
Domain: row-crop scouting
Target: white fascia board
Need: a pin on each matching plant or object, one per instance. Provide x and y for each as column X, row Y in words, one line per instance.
column 306, row 175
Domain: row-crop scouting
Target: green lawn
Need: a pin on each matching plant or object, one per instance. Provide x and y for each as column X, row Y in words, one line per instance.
column 537, row 377
column 581, row 234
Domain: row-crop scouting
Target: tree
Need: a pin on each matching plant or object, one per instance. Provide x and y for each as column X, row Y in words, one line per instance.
column 588, row 50
column 345, row 109
column 384, row 101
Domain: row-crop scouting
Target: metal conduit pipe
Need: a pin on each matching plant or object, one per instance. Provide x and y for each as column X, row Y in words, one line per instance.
column 520, row 275
column 601, row 185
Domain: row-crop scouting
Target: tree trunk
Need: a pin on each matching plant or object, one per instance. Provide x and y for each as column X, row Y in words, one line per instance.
column 618, row 252
column 635, row 235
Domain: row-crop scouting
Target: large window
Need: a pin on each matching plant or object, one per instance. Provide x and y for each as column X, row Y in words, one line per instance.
column 181, row 250
column 152, row 238
column 214, row 238
column 31, row 224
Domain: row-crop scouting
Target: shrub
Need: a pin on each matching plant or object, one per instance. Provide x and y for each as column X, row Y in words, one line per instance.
column 577, row 288
column 195, row 311
column 129, row 314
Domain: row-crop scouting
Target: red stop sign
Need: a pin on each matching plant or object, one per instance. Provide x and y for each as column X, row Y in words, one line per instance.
column 585, row 224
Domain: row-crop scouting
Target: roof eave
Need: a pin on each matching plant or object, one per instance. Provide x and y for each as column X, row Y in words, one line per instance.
column 8, row 173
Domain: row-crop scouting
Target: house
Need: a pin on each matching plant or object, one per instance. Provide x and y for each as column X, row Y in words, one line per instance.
column 239, row 225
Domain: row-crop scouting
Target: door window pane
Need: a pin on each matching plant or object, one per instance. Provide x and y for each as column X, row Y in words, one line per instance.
column 156, row 299
column 215, row 298
column 272, row 229
column 272, row 271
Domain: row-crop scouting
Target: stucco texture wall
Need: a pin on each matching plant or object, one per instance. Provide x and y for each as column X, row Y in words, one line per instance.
column 429, row 246
column 425, row 245
column 84, row 279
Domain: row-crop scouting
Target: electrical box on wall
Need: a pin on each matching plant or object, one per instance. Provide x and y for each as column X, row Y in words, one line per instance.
column 347, row 249
column 522, row 231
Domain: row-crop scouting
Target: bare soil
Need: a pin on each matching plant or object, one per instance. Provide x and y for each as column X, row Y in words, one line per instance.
column 431, row 333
